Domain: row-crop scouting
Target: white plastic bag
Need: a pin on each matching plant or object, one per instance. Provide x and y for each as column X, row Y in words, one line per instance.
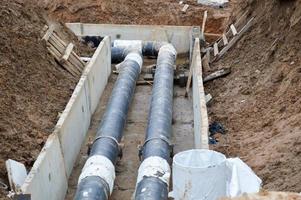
column 215, row 3
column 208, row 175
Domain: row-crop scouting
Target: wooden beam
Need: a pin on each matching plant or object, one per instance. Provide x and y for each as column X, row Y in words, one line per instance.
column 225, row 39
column 213, row 34
column 204, row 21
column 68, row 51
column 215, row 49
column 234, row 39
column 184, row 9
column 233, row 29
column 217, row 74
column 48, row 33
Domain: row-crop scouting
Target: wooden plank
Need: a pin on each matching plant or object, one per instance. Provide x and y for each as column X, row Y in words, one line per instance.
column 190, row 75
column 48, row 33
column 184, row 9
column 238, row 24
column 59, row 39
column 204, row 21
column 57, row 44
column 213, row 34
column 234, row 39
column 54, row 53
column 233, row 29
column 77, row 61
column 61, row 48
column 68, row 66
column 68, row 51
column 217, row 74
column 206, row 61
column 215, row 49
column 225, row 39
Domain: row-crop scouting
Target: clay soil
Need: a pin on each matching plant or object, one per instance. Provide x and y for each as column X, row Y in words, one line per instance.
column 149, row 12
column 34, row 89
column 259, row 102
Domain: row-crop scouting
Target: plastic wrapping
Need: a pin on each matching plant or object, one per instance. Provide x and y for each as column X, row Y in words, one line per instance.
column 208, row 175
column 215, row 3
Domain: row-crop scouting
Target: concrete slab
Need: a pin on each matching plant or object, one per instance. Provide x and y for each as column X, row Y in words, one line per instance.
column 179, row 36
column 47, row 178
column 201, row 124
column 16, row 174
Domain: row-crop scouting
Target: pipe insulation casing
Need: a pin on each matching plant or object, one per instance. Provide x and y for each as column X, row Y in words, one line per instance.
column 97, row 178
column 154, row 171
column 120, row 48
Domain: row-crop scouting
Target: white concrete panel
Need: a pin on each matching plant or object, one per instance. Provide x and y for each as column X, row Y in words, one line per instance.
column 179, row 36
column 201, row 124
column 47, row 178
column 49, row 175
column 75, row 120
column 98, row 75
column 74, row 123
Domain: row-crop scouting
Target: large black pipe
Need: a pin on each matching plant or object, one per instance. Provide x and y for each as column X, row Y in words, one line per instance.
column 154, row 171
column 97, row 178
column 148, row 48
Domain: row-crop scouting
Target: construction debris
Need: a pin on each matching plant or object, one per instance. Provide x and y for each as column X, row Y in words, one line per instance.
column 214, row 3
column 225, row 43
column 208, row 98
column 63, row 53
column 217, row 74
column 184, row 9
column 16, row 174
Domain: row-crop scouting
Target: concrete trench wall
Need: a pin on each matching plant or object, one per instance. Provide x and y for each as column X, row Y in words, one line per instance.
column 201, row 124
column 48, row 178
column 179, row 36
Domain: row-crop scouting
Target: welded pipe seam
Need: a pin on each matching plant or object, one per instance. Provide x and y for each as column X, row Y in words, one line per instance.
column 106, row 136
column 156, row 167
column 99, row 166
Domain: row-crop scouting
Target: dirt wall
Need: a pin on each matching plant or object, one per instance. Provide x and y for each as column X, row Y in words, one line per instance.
column 259, row 103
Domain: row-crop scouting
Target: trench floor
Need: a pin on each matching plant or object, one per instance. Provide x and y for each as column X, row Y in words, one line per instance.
column 134, row 133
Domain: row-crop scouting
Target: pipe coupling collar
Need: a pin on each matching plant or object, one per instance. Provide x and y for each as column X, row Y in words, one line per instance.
column 128, row 44
column 135, row 56
column 156, row 167
column 100, row 166
column 168, row 48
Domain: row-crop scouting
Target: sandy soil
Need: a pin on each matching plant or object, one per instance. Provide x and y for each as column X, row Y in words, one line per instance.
column 259, row 103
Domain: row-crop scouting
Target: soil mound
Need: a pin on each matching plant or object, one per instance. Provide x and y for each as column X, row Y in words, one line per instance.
column 260, row 102
column 34, row 89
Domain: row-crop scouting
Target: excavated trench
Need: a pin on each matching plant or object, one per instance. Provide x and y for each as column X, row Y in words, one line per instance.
column 134, row 134
column 238, row 102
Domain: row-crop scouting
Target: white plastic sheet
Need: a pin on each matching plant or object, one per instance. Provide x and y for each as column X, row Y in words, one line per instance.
column 208, row 175
column 215, row 3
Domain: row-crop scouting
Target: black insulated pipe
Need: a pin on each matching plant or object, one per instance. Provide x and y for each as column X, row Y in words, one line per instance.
column 120, row 48
column 154, row 171
column 97, row 177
